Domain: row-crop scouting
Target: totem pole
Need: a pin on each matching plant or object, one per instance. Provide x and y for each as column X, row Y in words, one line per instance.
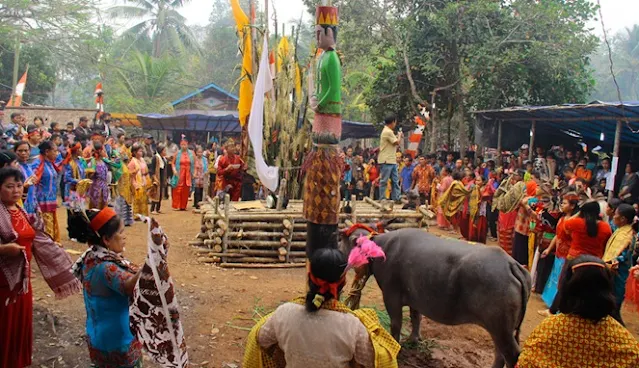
column 324, row 164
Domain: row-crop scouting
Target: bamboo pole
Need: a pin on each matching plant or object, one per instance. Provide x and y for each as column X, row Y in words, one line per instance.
column 377, row 205
column 225, row 237
column 354, row 209
column 258, row 234
column 278, row 265
column 290, row 240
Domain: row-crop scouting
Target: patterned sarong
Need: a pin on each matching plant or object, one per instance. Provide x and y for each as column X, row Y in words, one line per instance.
column 155, row 319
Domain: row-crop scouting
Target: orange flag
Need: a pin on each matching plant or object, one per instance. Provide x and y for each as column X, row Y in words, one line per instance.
column 246, row 87
column 16, row 98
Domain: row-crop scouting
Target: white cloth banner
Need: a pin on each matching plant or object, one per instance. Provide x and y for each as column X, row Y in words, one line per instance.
column 269, row 175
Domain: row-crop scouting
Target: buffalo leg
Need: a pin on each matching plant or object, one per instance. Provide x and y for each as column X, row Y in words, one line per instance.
column 415, row 320
column 393, row 304
column 506, row 348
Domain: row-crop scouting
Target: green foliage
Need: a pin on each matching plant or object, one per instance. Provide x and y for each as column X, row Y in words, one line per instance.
column 625, row 55
column 478, row 54
column 160, row 22
column 41, row 79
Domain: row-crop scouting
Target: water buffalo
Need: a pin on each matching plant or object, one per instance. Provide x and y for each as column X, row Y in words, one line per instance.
column 451, row 282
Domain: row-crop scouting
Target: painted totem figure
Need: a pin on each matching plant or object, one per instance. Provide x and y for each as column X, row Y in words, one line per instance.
column 324, row 164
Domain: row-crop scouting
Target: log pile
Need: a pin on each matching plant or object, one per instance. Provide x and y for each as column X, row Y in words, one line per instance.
column 266, row 238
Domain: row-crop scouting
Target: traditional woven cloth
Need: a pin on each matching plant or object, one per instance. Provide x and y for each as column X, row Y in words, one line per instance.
column 155, row 319
column 386, row 348
column 453, row 198
column 508, row 201
column 618, row 242
column 321, row 188
column 568, row 341
column 53, row 261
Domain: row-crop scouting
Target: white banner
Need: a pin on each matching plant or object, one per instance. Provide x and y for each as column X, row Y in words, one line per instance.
column 269, row 175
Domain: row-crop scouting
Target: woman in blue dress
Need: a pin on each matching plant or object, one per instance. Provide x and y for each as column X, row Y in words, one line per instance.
column 108, row 280
column 45, row 179
column 30, row 204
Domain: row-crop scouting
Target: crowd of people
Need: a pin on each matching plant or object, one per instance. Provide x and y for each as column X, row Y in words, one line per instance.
column 106, row 180
column 548, row 210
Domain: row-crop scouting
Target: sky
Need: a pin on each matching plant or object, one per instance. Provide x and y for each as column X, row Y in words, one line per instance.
column 617, row 14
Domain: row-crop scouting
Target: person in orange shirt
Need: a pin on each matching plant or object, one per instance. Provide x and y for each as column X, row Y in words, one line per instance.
column 423, row 176
column 582, row 172
column 588, row 233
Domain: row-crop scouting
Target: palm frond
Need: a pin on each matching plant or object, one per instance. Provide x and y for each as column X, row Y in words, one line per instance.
column 127, row 12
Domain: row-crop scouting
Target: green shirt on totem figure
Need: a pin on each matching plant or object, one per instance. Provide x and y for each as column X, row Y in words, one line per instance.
column 329, row 90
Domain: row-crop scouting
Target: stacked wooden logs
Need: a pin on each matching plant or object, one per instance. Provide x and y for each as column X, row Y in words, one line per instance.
column 275, row 239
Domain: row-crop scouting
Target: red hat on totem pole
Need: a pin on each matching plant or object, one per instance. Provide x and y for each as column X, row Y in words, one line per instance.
column 326, row 16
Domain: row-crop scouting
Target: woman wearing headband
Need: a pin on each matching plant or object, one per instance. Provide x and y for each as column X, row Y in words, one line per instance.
column 45, row 178
column 318, row 330
column 29, row 204
column 583, row 334
column 108, row 280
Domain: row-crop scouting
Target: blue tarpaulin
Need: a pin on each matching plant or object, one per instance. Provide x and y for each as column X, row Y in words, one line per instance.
column 231, row 124
column 592, row 121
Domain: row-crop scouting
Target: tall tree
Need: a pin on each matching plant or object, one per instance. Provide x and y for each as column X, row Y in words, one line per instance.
column 42, row 72
column 161, row 22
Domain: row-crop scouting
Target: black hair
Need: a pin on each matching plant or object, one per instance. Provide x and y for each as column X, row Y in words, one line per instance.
column 614, row 203
column 161, row 147
column 45, row 146
column 7, row 157
column 18, row 144
column 458, row 175
column 567, row 169
column 327, row 264
column 390, row 119
column 10, row 172
column 119, row 135
column 98, row 145
column 587, row 291
column 446, row 169
column 70, row 123
column 14, row 115
column 536, row 174
column 53, row 124
column 590, row 211
column 627, row 211
column 55, row 136
column 135, row 148
column 107, row 230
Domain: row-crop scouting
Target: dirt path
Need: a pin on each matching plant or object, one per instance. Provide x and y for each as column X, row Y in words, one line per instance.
column 219, row 307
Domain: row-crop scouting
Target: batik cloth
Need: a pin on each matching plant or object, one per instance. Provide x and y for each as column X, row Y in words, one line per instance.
column 30, row 204
column 569, row 341
column 74, row 171
column 384, row 346
column 140, row 174
column 155, row 318
column 453, row 199
column 103, row 274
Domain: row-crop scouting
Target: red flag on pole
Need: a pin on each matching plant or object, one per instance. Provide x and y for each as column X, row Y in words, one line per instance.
column 16, row 97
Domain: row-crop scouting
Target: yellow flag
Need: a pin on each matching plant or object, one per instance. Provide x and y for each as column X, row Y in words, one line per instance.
column 283, row 51
column 246, row 87
column 298, row 83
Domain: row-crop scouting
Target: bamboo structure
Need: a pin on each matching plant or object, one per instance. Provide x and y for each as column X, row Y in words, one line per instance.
column 267, row 238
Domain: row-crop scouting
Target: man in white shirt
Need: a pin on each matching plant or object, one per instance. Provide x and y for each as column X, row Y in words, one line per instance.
column 387, row 158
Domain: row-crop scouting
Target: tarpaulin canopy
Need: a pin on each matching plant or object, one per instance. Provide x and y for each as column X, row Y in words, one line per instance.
column 231, row 124
column 355, row 130
column 191, row 122
column 594, row 121
column 127, row 119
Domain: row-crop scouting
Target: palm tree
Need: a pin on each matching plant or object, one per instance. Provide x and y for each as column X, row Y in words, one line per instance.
column 160, row 21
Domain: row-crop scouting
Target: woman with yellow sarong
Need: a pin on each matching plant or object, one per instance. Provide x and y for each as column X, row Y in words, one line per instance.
column 584, row 333
column 318, row 330
column 140, row 180
column 618, row 253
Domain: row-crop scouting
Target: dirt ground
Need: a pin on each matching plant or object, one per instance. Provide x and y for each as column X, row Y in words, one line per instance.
column 218, row 307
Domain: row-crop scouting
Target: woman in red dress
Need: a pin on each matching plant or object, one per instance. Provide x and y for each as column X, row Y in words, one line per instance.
column 231, row 168
column 19, row 238
column 183, row 167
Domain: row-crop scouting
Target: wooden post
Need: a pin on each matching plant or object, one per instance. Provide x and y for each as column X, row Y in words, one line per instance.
column 281, row 194
column 499, row 146
column 433, row 131
column 615, row 155
column 354, row 208
column 290, row 240
column 225, row 237
column 533, row 129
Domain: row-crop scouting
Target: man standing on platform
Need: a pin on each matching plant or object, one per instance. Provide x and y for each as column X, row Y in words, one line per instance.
column 324, row 165
column 387, row 158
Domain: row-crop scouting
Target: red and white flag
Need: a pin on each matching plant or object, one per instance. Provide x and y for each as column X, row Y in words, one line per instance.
column 16, row 98
column 416, row 137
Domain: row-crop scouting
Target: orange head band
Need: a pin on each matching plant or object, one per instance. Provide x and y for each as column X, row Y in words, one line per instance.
column 102, row 218
column 593, row 264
